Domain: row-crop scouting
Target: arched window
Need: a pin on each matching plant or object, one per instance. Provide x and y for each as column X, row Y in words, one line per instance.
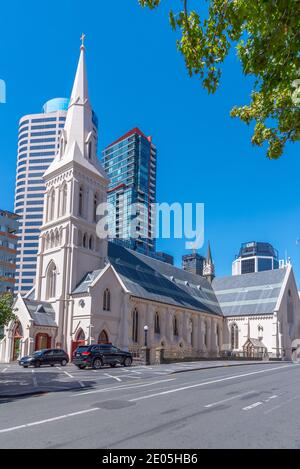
column 52, row 205
column 48, row 241
column 103, row 338
column 84, row 240
column 52, row 240
column 175, row 327
column 205, row 334
column 89, row 149
column 192, row 332
column 106, row 300
column 56, row 238
column 79, row 239
column 80, row 337
column 234, row 336
column 64, row 195
column 91, row 243
column 51, row 281
column 96, row 202
column 135, row 326
column 80, row 204
column 157, row 324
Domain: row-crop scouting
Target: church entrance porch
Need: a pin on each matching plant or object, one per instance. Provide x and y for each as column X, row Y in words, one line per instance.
column 103, row 338
column 17, row 342
column 42, row 341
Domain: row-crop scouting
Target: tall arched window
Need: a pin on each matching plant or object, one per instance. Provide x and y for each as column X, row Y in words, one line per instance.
column 91, row 243
column 175, row 326
column 205, row 334
column 84, row 240
column 234, row 336
column 135, row 326
column 157, row 324
column 52, row 205
column 96, row 202
column 51, row 281
column 80, row 202
column 192, row 332
column 64, row 195
column 106, row 300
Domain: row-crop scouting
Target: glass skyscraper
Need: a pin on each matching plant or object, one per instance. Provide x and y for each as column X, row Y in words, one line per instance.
column 255, row 257
column 8, row 250
column 130, row 163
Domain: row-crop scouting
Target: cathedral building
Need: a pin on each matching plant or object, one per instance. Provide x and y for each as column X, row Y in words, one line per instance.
column 88, row 290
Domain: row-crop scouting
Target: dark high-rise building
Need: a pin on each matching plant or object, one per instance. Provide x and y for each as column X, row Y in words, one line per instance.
column 130, row 163
column 255, row 257
column 193, row 263
column 8, row 250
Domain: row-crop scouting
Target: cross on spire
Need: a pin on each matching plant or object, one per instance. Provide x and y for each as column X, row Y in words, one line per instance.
column 83, row 36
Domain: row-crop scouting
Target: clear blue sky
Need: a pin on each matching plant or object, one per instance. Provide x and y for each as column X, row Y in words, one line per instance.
column 137, row 78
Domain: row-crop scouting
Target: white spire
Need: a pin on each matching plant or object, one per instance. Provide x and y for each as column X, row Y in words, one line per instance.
column 78, row 143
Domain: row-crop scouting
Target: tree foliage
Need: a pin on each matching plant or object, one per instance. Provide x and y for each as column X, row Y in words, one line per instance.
column 6, row 314
column 266, row 34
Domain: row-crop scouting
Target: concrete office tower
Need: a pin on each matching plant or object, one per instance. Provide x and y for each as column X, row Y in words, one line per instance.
column 130, row 163
column 8, row 250
column 255, row 257
column 39, row 137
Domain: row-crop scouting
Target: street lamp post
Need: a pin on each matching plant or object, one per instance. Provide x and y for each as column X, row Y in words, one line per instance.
column 146, row 328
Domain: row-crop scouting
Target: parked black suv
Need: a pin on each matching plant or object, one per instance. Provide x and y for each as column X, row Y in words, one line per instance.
column 97, row 356
column 50, row 357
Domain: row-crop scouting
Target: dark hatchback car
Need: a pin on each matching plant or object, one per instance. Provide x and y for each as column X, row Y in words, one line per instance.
column 96, row 356
column 49, row 357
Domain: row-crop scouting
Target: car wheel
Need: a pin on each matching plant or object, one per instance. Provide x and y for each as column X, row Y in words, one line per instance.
column 97, row 364
column 128, row 361
column 37, row 364
column 81, row 367
column 25, row 366
column 64, row 362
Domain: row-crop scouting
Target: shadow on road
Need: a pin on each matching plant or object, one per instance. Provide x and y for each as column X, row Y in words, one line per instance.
column 16, row 385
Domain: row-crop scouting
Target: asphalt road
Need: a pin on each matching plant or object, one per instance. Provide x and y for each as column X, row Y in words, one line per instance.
column 234, row 407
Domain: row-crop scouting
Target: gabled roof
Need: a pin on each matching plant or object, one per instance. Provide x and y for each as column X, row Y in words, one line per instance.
column 148, row 278
column 42, row 313
column 249, row 294
column 86, row 282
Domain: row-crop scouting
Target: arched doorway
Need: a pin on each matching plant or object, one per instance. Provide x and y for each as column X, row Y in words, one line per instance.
column 103, row 338
column 79, row 340
column 42, row 341
column 18, row 336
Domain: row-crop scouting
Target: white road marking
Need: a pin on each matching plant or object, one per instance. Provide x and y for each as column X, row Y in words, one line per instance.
column 114, row 377
column 282, row 404
column 229, row 378
column 123, row 387
column 68, row 374
column 271, row 397
column 54, row 419
column 34, row 379
column 213, row 404
column 3, row 371
column 252, row 406
column 136, row 372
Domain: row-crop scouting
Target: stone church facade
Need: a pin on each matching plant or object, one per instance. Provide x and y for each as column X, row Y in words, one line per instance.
column 89, row 290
